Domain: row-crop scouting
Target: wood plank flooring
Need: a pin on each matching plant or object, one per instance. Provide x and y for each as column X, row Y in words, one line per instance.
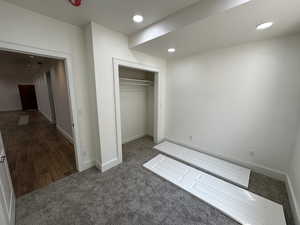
column 37, row 153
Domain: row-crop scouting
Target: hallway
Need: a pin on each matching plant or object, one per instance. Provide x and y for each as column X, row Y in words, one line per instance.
column 37, row 153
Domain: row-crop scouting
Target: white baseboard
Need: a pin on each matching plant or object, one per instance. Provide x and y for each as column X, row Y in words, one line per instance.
column 12, row 210
column 47, row 116
column 11, row 110
column 126, row 140
column 64, row 133
column 279, row 175
column 87, row 165
column 107, row 165
column 293, row 200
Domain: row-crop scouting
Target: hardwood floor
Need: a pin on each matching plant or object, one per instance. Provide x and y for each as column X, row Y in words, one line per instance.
column 37, row 153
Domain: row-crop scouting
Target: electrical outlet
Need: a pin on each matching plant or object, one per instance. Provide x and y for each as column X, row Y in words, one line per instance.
column 252, row 153
column 191, row 138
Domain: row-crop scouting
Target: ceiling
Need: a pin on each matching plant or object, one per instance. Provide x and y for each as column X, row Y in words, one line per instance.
column 232, row 27
column 114, row 14
column 223, row 29
column 17, row 65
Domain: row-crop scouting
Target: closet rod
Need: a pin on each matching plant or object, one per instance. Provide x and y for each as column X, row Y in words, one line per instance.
column 135, row 80
column 135, row 84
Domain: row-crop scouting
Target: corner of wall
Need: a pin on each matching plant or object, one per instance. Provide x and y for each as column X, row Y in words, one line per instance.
column 89, row 39
column 64, row 133
column 293, row 201
column 108, row 165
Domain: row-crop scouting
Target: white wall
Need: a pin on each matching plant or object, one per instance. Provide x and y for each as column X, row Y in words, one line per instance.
column 60, row 92
column 137, row 105
column 150, row 110
column 241, row 103
column 134, row 114
column 9, row 92
column 106, row 44
column 29, row 29
column 42, row 96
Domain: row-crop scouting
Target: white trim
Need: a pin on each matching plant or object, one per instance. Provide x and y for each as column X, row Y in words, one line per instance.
column 110, row 164
column 12, row 211
column 98, row 165
column 45, row 115
column 157, row 104
column 14, row 47
column 277, row 174
column 293, row 200
column 134, row 138
column 64, row 133
column 11, row 110
column 88, row 164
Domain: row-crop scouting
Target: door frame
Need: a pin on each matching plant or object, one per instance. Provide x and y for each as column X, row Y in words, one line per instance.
column 157, row 128
column 11, row 211
column 67, row 58
column 51, row 98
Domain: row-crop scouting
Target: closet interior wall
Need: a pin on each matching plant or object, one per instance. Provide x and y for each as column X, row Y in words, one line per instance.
column 137, row 103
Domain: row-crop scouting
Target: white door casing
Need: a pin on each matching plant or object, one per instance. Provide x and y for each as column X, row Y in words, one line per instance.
column 157, row 126
column 7, row 195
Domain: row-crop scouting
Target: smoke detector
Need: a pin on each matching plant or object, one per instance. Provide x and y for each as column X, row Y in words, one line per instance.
column 75, row 3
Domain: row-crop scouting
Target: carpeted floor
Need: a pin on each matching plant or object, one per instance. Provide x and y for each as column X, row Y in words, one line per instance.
column 129, row 194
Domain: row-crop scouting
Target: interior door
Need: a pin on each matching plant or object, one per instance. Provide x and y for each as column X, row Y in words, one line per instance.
column 7, row 195
column 28, row 97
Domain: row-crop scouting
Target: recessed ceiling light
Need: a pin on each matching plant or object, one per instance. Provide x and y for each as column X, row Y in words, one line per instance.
column 264, row 26
column 138, row 18
column 171, row 50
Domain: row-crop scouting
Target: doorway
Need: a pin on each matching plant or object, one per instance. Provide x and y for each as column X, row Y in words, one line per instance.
column 36, row 120
column 28, row 97
column 147, row 77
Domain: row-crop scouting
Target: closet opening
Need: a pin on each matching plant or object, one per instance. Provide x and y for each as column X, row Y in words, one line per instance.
column 136, row 103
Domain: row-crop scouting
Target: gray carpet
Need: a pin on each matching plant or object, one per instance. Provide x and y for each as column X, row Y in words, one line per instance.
column 129, row 194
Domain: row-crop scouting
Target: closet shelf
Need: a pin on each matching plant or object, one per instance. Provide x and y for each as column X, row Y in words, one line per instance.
column 136, row 81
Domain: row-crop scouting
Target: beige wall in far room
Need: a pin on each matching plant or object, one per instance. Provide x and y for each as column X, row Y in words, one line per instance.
column 9, row 92
column 61, row 98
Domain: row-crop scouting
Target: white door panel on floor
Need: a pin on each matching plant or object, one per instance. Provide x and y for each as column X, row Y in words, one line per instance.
column 239, row 204
column 7, row 196
column 223, row 169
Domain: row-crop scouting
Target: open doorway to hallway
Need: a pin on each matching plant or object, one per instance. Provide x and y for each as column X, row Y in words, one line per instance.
column 35, row 120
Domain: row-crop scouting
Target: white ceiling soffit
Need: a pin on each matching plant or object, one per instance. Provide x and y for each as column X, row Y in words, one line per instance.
column 233, row 27
column 191, row 14
column 114, row 14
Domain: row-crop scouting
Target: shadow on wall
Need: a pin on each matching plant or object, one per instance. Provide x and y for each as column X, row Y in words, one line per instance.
column 57, row 90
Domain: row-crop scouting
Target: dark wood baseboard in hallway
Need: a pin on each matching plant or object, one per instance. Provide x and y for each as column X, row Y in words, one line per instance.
column 37, row 153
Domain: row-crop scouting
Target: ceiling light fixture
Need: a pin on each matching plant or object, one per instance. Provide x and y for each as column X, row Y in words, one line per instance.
column 171, row 50
column 138, row 18
column 264, row 26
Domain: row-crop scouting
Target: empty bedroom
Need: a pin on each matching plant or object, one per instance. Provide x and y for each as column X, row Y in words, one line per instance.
column 178, row 112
